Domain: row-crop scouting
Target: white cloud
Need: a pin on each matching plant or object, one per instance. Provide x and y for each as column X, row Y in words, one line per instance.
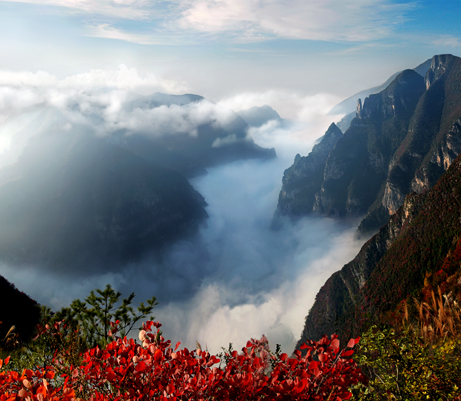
column 336, row 20
column 126, row 9
column 246, row 20
column 105, row 101
column 260, row 282
column 309, row 113
column 122, row 78
column 109, row 32
column 447, row 41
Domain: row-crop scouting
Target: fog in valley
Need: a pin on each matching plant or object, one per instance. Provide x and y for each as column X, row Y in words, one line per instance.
column 236, row 278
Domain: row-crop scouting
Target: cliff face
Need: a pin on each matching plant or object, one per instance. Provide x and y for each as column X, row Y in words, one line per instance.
column 392, row 265
column 302, row 180
column 394, row 145
column 341, row 293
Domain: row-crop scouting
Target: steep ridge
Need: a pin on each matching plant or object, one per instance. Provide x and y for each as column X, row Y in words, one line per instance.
column 392, row 265
column 302, row 180
column 401, row 140
column 347, row 106
column 433, row 136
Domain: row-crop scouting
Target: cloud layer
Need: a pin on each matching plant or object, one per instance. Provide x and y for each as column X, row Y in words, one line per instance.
column 241, row 20
column 236, row 278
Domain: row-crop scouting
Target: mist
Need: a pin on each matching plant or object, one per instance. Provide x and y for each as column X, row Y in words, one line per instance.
column 236, row 278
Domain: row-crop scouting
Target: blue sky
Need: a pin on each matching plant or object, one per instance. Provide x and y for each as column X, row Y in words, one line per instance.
column 222, row 48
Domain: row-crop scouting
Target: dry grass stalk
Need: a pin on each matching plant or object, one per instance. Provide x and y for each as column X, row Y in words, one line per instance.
column 439, row 318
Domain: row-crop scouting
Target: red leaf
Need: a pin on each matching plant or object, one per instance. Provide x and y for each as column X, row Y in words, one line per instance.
column 283, row 357
column 335, row 344
column 352, row 342
column 141, row 366
column 348, row 353
column 323, row 358
column 158, row 356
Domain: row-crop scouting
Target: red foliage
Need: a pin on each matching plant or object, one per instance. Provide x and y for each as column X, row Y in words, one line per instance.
column 125, row 370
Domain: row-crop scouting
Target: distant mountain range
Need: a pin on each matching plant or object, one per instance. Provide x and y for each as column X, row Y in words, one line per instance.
column 401, row 140
column 191, row 152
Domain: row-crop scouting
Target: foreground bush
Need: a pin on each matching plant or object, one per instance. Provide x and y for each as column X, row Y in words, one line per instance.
column 125, row 370
column 420, row 360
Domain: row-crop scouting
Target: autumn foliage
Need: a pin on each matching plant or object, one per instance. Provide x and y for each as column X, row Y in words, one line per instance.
column 152, row 369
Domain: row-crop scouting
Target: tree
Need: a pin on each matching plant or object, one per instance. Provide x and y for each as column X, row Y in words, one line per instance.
column 102, row 314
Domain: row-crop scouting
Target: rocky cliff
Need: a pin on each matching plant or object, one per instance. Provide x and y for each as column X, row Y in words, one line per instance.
column 302, row 180
column 392, row 265
column 391, row 148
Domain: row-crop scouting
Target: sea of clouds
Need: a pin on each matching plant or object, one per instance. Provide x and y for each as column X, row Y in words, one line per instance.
column 236, row 279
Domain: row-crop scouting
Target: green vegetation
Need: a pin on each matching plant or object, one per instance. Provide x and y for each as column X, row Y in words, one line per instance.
column 96, row 321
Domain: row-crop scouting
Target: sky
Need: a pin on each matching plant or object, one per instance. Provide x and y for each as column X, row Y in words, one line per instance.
column 301, row 57
column 224, row 48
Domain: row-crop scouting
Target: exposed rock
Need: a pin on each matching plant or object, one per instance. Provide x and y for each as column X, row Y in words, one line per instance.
column 401, row 140
column 391, row 266
column 303, row 179
column 339, row 294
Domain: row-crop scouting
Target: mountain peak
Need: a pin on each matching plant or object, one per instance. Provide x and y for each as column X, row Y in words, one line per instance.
column 439, row 65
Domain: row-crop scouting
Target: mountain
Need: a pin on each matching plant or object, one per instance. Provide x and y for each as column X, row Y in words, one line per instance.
column 401, row 140
column 19, row 311
column 348, row 106
column 395, row 264
column 258, row 116
column 301, row 180
column 100, row 179
column 221, row 138
column 74, row 201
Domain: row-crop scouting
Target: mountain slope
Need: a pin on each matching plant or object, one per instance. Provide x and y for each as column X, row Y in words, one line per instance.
column 402, row 139
column 19, row 310
column 302, row 180
column 393, row 264
column 74, row 200
column 258, row 116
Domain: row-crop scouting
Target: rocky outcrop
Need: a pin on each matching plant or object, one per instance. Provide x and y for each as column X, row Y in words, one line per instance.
column 432, row 141
column 341, row 291
column 401, row 140
column 302, row 180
